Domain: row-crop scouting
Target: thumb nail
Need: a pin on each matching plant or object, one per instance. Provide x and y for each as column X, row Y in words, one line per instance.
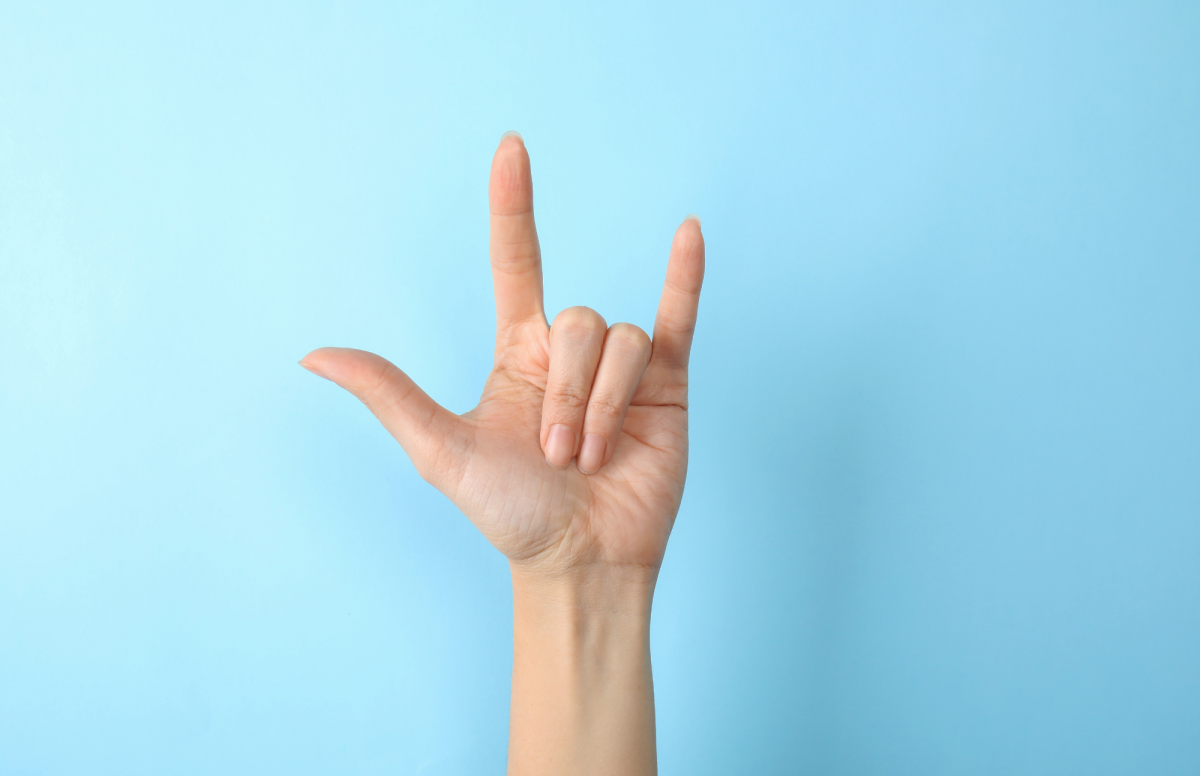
column 311, row 368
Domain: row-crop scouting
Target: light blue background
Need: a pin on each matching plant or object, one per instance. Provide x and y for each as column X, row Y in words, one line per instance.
column 944, row 507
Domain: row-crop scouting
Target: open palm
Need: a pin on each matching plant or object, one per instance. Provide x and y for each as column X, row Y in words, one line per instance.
column 577, row 451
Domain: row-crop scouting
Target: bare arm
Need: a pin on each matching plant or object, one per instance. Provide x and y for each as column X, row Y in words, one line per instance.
column 582, row 698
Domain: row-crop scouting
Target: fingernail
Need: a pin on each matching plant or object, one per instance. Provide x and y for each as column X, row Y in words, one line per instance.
column 512, row 133
column 560, row 446
column 309, row 367
column 591, row 455
column 693, row 217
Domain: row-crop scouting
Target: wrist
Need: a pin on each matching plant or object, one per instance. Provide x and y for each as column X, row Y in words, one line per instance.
column 584, row 593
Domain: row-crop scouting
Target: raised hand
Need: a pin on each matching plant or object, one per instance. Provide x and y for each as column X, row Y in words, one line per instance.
column 577, row 452
column 573, row 466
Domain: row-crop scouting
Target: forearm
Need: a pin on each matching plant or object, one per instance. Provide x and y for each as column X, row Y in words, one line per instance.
column 582, row 694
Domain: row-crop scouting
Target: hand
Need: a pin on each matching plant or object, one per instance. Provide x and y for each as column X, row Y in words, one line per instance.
column 584, row 539
column 605, row 397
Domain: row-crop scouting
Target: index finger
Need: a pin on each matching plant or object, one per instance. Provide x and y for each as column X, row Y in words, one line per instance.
column 516, row 256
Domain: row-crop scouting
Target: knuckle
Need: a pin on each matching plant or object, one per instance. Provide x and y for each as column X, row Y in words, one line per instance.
column 579, row 319
column 605, row 409
column 628, row 332
column 566, row 396
column 517, row 256
column 664, row 385
column 630, row 337
column 380, row 387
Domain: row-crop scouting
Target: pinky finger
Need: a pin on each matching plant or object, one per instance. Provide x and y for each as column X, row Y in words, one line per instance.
column 676, row 319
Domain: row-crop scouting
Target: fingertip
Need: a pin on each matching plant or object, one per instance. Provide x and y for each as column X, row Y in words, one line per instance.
column 344, row 366
column 689, row 231
column 510, row 188
column 511, row 146
column 592, row 453
column 688, row 237
column 560, row 446
column 313, row 362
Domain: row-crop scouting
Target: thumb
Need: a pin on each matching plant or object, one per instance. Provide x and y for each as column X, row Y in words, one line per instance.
column 424, row 428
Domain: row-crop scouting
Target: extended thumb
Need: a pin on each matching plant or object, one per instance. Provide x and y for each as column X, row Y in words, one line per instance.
column 419, row 424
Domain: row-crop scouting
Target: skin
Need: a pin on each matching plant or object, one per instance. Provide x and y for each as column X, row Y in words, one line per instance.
column 573, row 466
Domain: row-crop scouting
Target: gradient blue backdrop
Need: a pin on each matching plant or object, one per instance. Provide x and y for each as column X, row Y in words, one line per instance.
column 944, row 507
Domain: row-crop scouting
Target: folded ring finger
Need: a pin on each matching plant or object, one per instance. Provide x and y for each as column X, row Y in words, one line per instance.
column 626, row 354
